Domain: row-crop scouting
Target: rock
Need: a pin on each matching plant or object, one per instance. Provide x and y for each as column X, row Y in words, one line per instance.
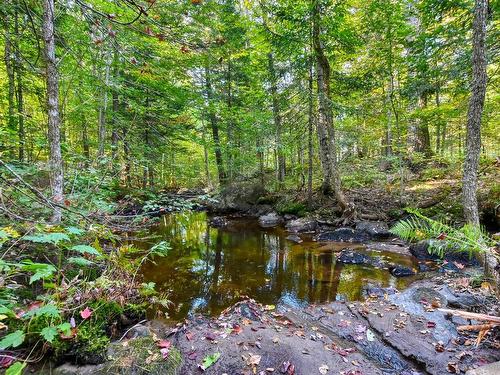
column 69, row 369
column 343, row 235
column 376, row 229
column 218, row 222
column 138, row 330
column 489, row 369
column 422, row 267
column 289, row 217
column 270, row 220
column 349, row 256
column 239, row 196
column 302, row 225
column 401, row 271
column 420, row 250
column 378, row 291
column 294, row 238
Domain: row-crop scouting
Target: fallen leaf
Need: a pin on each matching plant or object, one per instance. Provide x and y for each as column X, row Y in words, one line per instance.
column 164, row 344
column 189, row 335
column 86, row 313
column 253, row 360
column 452, row 367
column 164, row 352
column 192, row 355
column 431, row 324
column 209, row 360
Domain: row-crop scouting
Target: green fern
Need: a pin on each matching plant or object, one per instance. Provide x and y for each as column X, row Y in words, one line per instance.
column 442, row 237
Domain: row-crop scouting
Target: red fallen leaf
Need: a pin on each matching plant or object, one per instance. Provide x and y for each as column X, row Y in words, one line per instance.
column 192, row 356
column 431, row 324
column 5, row 361
column 20, row 314
column 67, row 202
column 86, row 313
column 210, row 336
column 164, row 344
column 35, row 305
column 164, row 352
column 452, row 367
column 237, row 329
column 287, row 368
column 189, row 335
column 442, row 236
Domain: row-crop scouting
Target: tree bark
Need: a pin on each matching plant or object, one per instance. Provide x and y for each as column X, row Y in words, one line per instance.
column 215, row 128
column 54, row 121
column 102, row 110
column 476, row 104
column 423, row 137
column 310, row 124
column 326, row 131
column 9, row 67
column 277, row 119
column 20, row 91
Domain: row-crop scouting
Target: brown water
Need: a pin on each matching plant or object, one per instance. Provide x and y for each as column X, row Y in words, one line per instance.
column 209, row 269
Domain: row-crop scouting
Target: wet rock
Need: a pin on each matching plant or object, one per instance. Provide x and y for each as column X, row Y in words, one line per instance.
column 371, row 290
column 302, row 225
column 270, row 220
column 422, row 267
column 420, row 250
column 239, row 196
column 465, row 301
column 343, row 235
column 398, row 248
column 401, row 271
column 376, row 229
column 289, row 217
column 218, row 222
column 69, row 369
column 489, row 369
column 294, row 238
column 349, row 256
column 138, row 330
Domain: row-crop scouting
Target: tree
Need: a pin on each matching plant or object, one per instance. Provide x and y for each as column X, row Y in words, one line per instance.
column 54, row 120
column 474, row 114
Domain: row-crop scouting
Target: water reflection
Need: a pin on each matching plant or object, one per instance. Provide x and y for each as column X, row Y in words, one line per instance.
column 209, row 269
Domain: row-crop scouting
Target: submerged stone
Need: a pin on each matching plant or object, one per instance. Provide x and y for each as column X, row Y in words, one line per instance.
column 270, row 220
column 401, row 271
column 343, row 235
column 302, row 225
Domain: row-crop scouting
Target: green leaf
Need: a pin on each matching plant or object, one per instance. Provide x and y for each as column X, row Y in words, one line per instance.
column 74, row 230
column 13, row 340
column 49, row 310
column 53, row 238
column 85, row 249
column 79, row 261
column 16, row 369
column 65, row 328
column 209, row 360
column 49, row 333
column 41, row 270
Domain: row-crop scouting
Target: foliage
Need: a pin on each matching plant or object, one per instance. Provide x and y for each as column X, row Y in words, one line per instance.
column 442, row 237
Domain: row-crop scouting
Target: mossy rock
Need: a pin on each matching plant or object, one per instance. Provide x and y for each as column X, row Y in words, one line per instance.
column 141, row 356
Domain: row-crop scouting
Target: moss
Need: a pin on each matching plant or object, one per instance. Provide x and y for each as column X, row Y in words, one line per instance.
column 292, row 208
column 142, row 356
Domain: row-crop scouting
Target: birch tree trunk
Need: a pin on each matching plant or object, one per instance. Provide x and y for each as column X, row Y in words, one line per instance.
column 474, row 114
column 54, row 121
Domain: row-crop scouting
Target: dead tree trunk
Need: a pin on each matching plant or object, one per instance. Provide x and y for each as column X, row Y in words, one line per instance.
column 54, row 121
column 474, row 114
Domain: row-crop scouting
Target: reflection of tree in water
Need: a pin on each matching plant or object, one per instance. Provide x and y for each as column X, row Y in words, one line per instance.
column 208, row 268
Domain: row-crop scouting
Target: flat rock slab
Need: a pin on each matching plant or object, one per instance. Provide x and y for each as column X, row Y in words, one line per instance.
column 489, row 369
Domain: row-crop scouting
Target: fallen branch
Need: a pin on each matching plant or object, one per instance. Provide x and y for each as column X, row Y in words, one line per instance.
column 477, row 327
column 475, row 316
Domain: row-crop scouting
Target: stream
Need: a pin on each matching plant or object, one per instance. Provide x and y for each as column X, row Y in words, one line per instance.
column 208, row 269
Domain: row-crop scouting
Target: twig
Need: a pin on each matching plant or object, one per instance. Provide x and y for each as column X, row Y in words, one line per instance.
column 475, row 316
column 128, row 330
column 477, row 327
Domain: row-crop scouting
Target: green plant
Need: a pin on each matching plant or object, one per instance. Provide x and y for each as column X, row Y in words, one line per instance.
column 442, row 237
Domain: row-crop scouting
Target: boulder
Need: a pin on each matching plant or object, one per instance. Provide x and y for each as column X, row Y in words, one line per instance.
column 343, row 235
column 489, row 369
column 349, row 256
column 240, row 196
column 218, row 222
column 70, row 369
column 420, row 250
column 376, row 229
column 401, row 271
column 270, row 220
column 302, row 225
column 294, row 238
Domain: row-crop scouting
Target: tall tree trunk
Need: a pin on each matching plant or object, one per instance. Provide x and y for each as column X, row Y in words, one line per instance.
column 326, row 131
column 116, row 110
column 20, row 92
column 277, row 119
column 230, row 122
column 126, row 156
column 423, row 137
column 215, row 128
column 310, row 127
column 102, row 110
column 55, row 160
column 476, row 104
column 9, row 67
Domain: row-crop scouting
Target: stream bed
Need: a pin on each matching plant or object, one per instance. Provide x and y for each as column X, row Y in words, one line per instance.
column 208, row 269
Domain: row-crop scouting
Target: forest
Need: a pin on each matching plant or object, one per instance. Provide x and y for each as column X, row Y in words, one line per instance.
column 249, row 186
